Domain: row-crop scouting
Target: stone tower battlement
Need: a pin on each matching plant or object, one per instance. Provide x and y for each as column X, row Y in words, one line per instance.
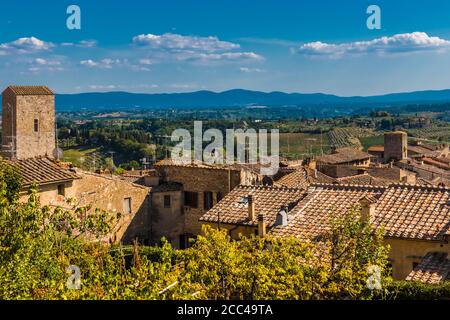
column 28, row 122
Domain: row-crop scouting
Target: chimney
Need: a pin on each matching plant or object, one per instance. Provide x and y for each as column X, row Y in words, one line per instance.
column 367, row 208
column 261, row 226
column 251, row 208
column 282, row 218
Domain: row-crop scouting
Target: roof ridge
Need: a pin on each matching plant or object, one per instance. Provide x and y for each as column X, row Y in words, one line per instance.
column 272, row 187
column 419, row 186
column 347, row 186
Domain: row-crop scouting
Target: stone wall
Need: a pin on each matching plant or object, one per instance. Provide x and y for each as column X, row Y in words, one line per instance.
column 395, row 146
column 404, row 253
column 106, row 193
column 167, row 222
column 26, row 109
column 219, row 181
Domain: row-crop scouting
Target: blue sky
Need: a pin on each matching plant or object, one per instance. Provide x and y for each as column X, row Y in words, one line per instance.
column 187, row 45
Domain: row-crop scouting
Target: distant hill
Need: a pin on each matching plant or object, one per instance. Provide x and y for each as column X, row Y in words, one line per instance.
column 239, row 98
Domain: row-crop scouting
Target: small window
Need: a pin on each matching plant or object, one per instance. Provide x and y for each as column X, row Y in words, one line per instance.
column 61, row 190
column 191, row 199
column 207, row 200
column 219, row 196
column 36, row 125
column 127, row 205
column 167, row 201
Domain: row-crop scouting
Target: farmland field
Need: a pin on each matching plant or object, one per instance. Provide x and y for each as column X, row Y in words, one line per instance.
column 83, row 157
column 372, row 141
column 299, row 145
column 347, row 137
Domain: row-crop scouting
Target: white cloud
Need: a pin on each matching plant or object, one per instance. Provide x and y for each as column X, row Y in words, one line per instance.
column 226, row 56
column 81, row 44
column 399, row 43
column 175, row 47
column 25, row 45
column 146, row 62
column 170, row 41
column 47, row 62
column 112, row 63
column 39, row 65
column 250, row 70
column 101, row 64
column 122, row 86
column 102, row 87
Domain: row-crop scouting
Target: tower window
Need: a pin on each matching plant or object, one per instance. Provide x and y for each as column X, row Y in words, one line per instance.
column 61, row 190
column 36, row 125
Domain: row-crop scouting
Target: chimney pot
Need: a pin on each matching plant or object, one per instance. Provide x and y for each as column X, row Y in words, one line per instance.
column 261, row 226
column 251, row 208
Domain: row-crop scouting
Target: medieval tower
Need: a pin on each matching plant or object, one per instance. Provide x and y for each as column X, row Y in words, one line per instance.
column 395, row 146
column 28, row 122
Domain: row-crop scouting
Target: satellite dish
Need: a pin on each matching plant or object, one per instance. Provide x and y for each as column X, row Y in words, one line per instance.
column 58, row 153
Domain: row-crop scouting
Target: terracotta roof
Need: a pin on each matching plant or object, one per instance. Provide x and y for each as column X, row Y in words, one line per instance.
column 313, row 213
column 30, row 90
column 41, row 171
column 233, row 208
column 363, row 179
column 434, row 268
column 376, row 149
column 414, row 212
column 315, row 176
column 403, row 211
column 296, row 179
column 344, row 155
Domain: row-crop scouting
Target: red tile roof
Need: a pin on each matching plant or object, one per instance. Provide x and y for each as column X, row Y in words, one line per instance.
column 41, row 171
column 403, row 211
column 344, row 155
column 434, row 268
column 233, row 208
column 30, row 90
column 313, row 213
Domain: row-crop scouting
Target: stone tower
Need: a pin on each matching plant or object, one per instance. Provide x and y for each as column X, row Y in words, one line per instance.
column 395, row 146
column 28, row 122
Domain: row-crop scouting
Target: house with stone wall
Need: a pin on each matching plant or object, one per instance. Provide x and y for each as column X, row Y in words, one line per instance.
column 29, row 146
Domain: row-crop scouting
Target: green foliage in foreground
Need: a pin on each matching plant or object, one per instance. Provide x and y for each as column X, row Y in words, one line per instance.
column 408, row 290
column 38, row 244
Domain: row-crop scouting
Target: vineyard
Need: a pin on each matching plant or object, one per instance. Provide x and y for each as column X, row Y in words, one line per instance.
column 347, row 137
column 433, row 133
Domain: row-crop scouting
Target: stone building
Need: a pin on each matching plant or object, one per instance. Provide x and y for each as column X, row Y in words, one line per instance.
column 188, row 191
column 28, row 129
column 395, row 146
column 28, row 137
column 415, row 219
column 344, row 156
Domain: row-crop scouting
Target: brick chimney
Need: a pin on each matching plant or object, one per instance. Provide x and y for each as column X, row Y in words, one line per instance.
column 367, row 208
column 251, row 208
column 261, row 226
